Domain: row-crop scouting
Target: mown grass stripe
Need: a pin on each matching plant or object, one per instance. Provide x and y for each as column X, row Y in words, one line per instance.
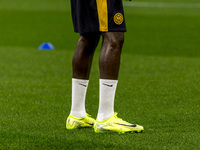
column 162, row 5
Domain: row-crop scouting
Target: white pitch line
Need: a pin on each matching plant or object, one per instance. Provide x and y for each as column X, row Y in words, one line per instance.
column 161, row 5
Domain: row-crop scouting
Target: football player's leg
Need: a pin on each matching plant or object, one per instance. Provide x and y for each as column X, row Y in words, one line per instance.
column 109, row 60
column 109, row 63
column 83, row 55
column 82, row 61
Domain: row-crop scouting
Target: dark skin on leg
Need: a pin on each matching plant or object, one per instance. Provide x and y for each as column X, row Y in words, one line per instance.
column 109, row 59
column 83, row 55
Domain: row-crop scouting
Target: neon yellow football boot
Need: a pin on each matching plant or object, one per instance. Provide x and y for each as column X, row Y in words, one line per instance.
column 75, row 123
column 116, row 124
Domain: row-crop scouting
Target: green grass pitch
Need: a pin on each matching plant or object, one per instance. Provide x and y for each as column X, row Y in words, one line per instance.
column 159, row 81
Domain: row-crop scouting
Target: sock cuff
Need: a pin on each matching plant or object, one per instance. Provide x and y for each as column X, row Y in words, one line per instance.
column 108, row 81
column 80, row 80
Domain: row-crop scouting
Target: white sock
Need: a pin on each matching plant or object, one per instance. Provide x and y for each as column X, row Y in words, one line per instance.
column 106, row 98
column 79, row 88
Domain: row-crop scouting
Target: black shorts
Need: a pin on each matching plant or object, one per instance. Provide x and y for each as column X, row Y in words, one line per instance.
column 98, row 16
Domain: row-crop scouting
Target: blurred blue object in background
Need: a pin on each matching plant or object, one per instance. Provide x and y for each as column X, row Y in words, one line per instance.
column 46, row 46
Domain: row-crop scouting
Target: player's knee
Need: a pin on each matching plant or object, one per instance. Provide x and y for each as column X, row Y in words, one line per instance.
column 87, row 44
column 115, row 40
column 90, row 39
column 83, row 42
column 117, row 43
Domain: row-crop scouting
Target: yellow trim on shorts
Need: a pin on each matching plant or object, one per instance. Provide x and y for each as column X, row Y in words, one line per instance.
column 102, row 9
